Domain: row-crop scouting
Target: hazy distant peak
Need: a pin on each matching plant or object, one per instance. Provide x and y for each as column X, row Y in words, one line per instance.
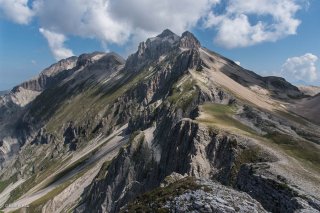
column 87, row 58
column 310, row 90
column 116, row 56
column 3, row 92
column 61, row 65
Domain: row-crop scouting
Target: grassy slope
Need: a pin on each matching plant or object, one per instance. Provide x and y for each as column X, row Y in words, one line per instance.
column 4, row 184
column 221, row 116
column 302, row 150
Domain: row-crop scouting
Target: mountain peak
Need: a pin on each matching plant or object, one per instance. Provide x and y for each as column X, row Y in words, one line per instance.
column 188, row 40
column 166, row 33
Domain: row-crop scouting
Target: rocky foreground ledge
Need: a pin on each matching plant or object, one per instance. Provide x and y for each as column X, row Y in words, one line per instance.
column 188, row 194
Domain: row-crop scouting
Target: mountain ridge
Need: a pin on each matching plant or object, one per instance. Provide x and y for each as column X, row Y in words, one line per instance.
column 171, row 107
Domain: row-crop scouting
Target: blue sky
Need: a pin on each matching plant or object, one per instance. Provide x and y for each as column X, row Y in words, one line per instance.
column 270, row 37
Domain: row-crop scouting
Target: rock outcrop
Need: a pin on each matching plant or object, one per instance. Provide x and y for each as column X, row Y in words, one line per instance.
column 43, row 138
column 194, row 195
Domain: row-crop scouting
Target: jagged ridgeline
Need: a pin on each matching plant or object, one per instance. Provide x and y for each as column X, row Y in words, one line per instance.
column 174, row 128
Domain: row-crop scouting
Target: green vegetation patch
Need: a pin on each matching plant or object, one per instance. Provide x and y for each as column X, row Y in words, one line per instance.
column 103, row 170
column 183, row 93
column 300, row 149
column 4, row 184
column 221, row 115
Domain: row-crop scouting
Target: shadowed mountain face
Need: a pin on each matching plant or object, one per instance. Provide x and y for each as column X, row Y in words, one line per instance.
column 174, row 128
column 308, row 108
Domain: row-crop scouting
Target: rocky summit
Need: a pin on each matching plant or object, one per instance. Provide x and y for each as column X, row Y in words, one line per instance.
column 173, row 128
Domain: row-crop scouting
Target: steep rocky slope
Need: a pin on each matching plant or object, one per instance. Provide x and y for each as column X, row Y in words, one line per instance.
column 186, row 194
column 109, row 133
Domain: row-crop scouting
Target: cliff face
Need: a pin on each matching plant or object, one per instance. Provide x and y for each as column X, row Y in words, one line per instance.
column 180, row 109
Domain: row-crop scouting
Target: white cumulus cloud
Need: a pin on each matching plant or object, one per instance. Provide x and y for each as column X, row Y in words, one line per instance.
column 119, row 21
column 89, row 19
column 245, row 23
column 17, row 10
column 116, row 21
column 238, row 24
column 56, row 44
column 301, row 68
column 155, row 16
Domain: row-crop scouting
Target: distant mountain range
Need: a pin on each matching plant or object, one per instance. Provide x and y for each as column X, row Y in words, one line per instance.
column 309, row 90
column 174, row 128
column 3, row 92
